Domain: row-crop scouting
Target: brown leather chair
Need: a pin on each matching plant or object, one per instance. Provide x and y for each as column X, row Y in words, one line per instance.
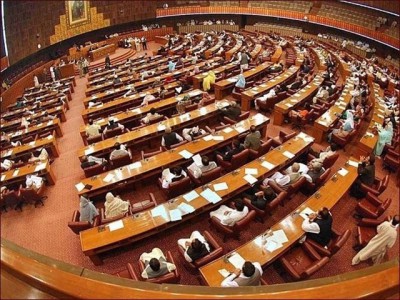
column 372, row 207
column 343, row 141
column 94, row 170
column 264, row 148
column 291, row 189
column 77, row 226
column 29, row 195
column 241, row 117
column 302, row 261
column 310, row 187
column 156, row 120
column 120, row 161
column 391, row 160
column 13, row 200
column 234, row 230
column 170, row 277
column 206, row 177
column 268, row 105
column 94, row 139
column 236, row 161
column 260, row 213
column 336, row 243
column 191, row 107
column 215, row 251
column 143, row 205
column 176, row 188
column 281, row 138
column 104, row 220
column 151, row 153
column 208, row 102
column 378, row 187
column 175, row 145
column 113, row 132
column 217, row 128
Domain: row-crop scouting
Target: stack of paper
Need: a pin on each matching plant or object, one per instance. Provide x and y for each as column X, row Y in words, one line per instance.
column 250, row 179
column 89, row 151
column 227, row 129
column 237, row 261
column 185, row 208
column 267, row 165
column 220, row 186
column 251, row 171
column 191, row 196
column 240, row 129
column 211, row 196
column 135, row 165
column 306, row 212
column 80, row 186
column 109, row 177
column 160, row 211
column 208, row 138
column 175, row 215
column 203, row 111
column 3, row 177
column 40, row 166
column 288, row 154
column 224, row 273
column 353, row 163
column 185, row 154
column 116, row 225
column 218, row 137
column 343, row 172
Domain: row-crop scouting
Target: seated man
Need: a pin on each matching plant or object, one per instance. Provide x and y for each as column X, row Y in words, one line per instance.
column 250, row 275
column 206, row 165
column 112, row 124
column 130, row 92
column 315, row 170
column 116, row 79
column 195, row 247
column 119, row 151
column 87, row 210
column 253, row 139
column 303, row 113
column 149, row 97
column 260, row 197
column 265, row 97
column 170, row 138
column 155, row 264
column 236, row 148
column 293, row 174
column 175, row 174
column 43, row 156
column 150, row 116
column 6, row 164
column 319, row 226
column 322, row 95
column 232, row 111
column 88, row 161
column 190, row 133
column 115, row 206
column 33, row 181
column 229, row 216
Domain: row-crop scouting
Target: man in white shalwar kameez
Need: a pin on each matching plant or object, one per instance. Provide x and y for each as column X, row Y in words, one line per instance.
column 380, row 243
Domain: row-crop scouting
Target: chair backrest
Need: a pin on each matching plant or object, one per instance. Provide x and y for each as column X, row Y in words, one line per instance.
column 156, row 120
column 239, row 159
column 29, row 194
column 330, row 160
column 384, row 184
column 105, row 220
column 77, row 226
column 93, row 170
column 324, row 176
column 383, row 207
column 170, row 277
column 113, row 132
column 242, row 224
column 243, row 116
column 191, row 107
column 215, row 251
column 121, row 161
column 11, row 198
column 152, row 153
column 179, row 187
column 339, row 241
column 208, row 176
column 210, row 101
column 294, row 187
column 94, row 139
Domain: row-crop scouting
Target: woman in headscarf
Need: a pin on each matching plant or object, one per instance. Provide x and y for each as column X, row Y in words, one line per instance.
column 87, row 210
column 385, row 136
column 208, row 80
column 241, row 81
column 115, row 206
column 345, row 128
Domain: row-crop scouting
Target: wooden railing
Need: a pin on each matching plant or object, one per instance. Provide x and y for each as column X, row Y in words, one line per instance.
column 192, row 10
column 42, row 274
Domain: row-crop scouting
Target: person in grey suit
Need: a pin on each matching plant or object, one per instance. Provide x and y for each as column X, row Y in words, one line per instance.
column 249, row 275
column 253, row 139
column 155, row 264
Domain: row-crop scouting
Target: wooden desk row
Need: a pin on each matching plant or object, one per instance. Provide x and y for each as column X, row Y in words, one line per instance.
column 121, row 104
column 95, row 241
column 142, row 84
column 49, row 142
column 236, row 48
column 318, row 57
column 34, row 89
column 223, row 88
column 154, row 165
column 41, row 169
column 198, row 79
column 46, row 126
column 327, row 196
column 250, row 94
column 282, row 108
column 155, row 130
column 140, row 112
column 207, row 28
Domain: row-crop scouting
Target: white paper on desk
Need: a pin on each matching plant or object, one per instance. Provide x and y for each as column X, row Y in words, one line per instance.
column 218, row 137
column 251, row 171
column 99, row 121
column 263, row 85
column 353, row 163
column 109, row 177
column 231, row 79
column 288, row 154
column 80, row 186
column 220, row 186
column 250, row 178
column 240, row 129
column 211, row 196
column 89, row 151
column 178, row 90
column 135, row 165
column 289, row 105
column 224, row 273
column 267, row 165
column 272, row 245
column 293, row 100
column 161, row 127
column 237, row 261
column 160, row 211
column 9, row 152
column 190, row 196
column 203, row 111
column 184, row 116
column 49, row 123
column 297, row 95
column 380, row 116
column 136, row 110
column 343, row 172
column 280, row 236
column 40, row 124
column 3, row 177
column 175, row 215
column 342, row 107
column 208, row 138
column 116, row 225
column 32, row 143
column 185, row 208
column 185, row 154
column 227, row 129
column 40, row 166
column 307, row 211
column 323, row 122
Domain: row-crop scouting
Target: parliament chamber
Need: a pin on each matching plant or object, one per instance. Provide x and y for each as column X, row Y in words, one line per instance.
column 129, row 126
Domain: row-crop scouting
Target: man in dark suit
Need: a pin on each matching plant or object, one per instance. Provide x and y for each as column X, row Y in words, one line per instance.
column 233, row 111
column 195, row 247
column 253, row 139
column 366, row 175
column 236, row 148
column 319, row 226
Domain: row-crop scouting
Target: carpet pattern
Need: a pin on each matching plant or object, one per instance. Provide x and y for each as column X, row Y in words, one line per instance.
column 44, row 229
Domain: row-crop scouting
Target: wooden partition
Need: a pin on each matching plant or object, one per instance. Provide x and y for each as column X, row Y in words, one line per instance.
column 29, row 273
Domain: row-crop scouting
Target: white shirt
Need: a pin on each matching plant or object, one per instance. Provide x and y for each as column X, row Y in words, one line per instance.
column 229, row 281
column 311, row 227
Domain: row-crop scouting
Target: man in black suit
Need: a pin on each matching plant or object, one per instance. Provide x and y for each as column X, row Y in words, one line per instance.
column 319, row 226
column 236, row 148
column 366, row 175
